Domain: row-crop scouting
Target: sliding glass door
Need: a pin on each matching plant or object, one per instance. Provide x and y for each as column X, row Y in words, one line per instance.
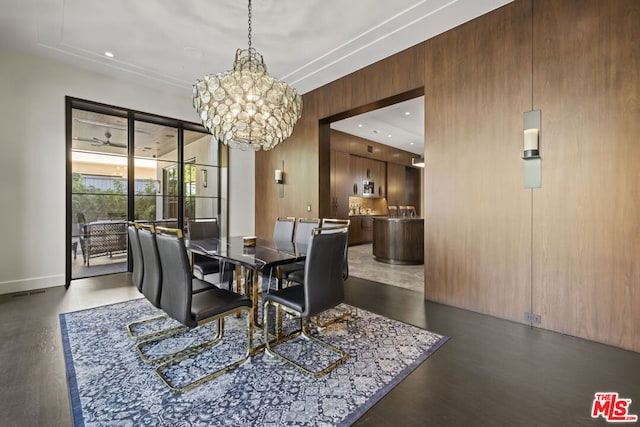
column 125, row 165
column 205, row 172
column 99, row 170
column 156, row 195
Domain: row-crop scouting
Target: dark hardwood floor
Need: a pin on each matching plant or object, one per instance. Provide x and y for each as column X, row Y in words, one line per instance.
column 490, row 372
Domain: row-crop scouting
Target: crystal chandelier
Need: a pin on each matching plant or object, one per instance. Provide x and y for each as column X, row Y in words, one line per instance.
column 246, row 107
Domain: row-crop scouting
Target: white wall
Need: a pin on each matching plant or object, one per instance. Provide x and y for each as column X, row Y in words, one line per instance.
column 32, row 164
column 242, row 192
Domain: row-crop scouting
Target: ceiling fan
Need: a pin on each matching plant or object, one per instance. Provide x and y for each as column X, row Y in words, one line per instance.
column 100, row 142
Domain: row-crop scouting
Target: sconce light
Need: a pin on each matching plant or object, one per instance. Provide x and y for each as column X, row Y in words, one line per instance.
column 204, row 178
column 531, row 148
column 278, row 176
column 532, row 162
column 531, row 134
column 279, row 179
column 419, row 162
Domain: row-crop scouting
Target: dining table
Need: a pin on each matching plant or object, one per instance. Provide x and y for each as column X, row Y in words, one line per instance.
column 252, row 260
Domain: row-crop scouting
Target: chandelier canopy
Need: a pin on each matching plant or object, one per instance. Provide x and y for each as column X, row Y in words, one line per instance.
column 246, row 107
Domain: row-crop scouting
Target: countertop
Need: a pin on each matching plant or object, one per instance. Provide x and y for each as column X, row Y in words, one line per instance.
column 403, row 218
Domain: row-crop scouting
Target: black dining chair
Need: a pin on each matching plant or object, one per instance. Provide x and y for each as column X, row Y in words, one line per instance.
column 301, row 235
column 136, row 255
column 194, row 309
column 146, row 267
column 283, row 230
column 328, row 226
column 322, row 289
column 152, row 284
column 204, row 228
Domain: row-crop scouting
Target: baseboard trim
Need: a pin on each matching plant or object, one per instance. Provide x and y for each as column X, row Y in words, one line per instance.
column 31, row 284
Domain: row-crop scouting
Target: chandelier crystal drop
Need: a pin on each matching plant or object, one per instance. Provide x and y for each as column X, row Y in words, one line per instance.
column 246, row 107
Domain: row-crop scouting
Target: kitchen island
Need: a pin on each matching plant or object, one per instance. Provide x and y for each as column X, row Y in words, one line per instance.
column 398, row 240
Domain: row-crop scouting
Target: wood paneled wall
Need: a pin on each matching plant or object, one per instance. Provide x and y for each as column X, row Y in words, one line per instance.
column 477, row 213
column 586, row 82
column 301, row 176
column 567, row 251
column 306, row 160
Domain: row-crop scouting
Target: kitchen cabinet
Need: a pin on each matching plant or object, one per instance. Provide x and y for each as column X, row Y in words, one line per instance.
column 412, row 188
column 377, row 174
column 357, row 174
column 361, row 229
column 355, row 230
column 364, row 169
column 396, row 181
column 340, row 184
column 367, row 229
column 403, row 186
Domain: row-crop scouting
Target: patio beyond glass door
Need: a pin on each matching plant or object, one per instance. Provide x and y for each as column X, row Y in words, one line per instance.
column 125, row 165
column 98, row 194
column 156, row 197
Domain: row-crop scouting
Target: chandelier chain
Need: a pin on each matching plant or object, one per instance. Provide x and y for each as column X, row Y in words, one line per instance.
column 249, row 24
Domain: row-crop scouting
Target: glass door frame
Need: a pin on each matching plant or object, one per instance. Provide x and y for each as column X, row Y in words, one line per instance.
column 72, row 103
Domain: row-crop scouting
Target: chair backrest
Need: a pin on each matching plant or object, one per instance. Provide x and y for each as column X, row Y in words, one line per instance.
column 136, row 256
column 203, row 228
column 323, row 269
column 393, row 211
column 283, row 229
column 304, row 227
column 177, row 282
column 329, row 224
column 152, row 277
column 332, row 222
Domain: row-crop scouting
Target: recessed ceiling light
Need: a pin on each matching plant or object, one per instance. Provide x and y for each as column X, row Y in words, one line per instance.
column 389, row 136
column 360, row 125
column 407, row 113
column 411, row 143
column 108, row 54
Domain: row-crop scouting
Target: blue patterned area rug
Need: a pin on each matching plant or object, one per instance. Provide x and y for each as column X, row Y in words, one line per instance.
column 109, row 385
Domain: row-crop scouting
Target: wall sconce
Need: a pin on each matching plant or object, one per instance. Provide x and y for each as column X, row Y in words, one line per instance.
column 279, row 179
column 419, row 162
column 204, row 178
column 532, row 162
column 531, row 147
column 531, row 134
column 278, row 176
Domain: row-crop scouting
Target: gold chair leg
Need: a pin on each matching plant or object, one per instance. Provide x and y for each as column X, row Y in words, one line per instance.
column 344, row 313
column 253, row 288
column 202, row 346
column 181, row 389
column 156, row 334
column 303, row 331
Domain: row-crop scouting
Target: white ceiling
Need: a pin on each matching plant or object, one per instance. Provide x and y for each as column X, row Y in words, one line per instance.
column 170, row 44
column 400, row 125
